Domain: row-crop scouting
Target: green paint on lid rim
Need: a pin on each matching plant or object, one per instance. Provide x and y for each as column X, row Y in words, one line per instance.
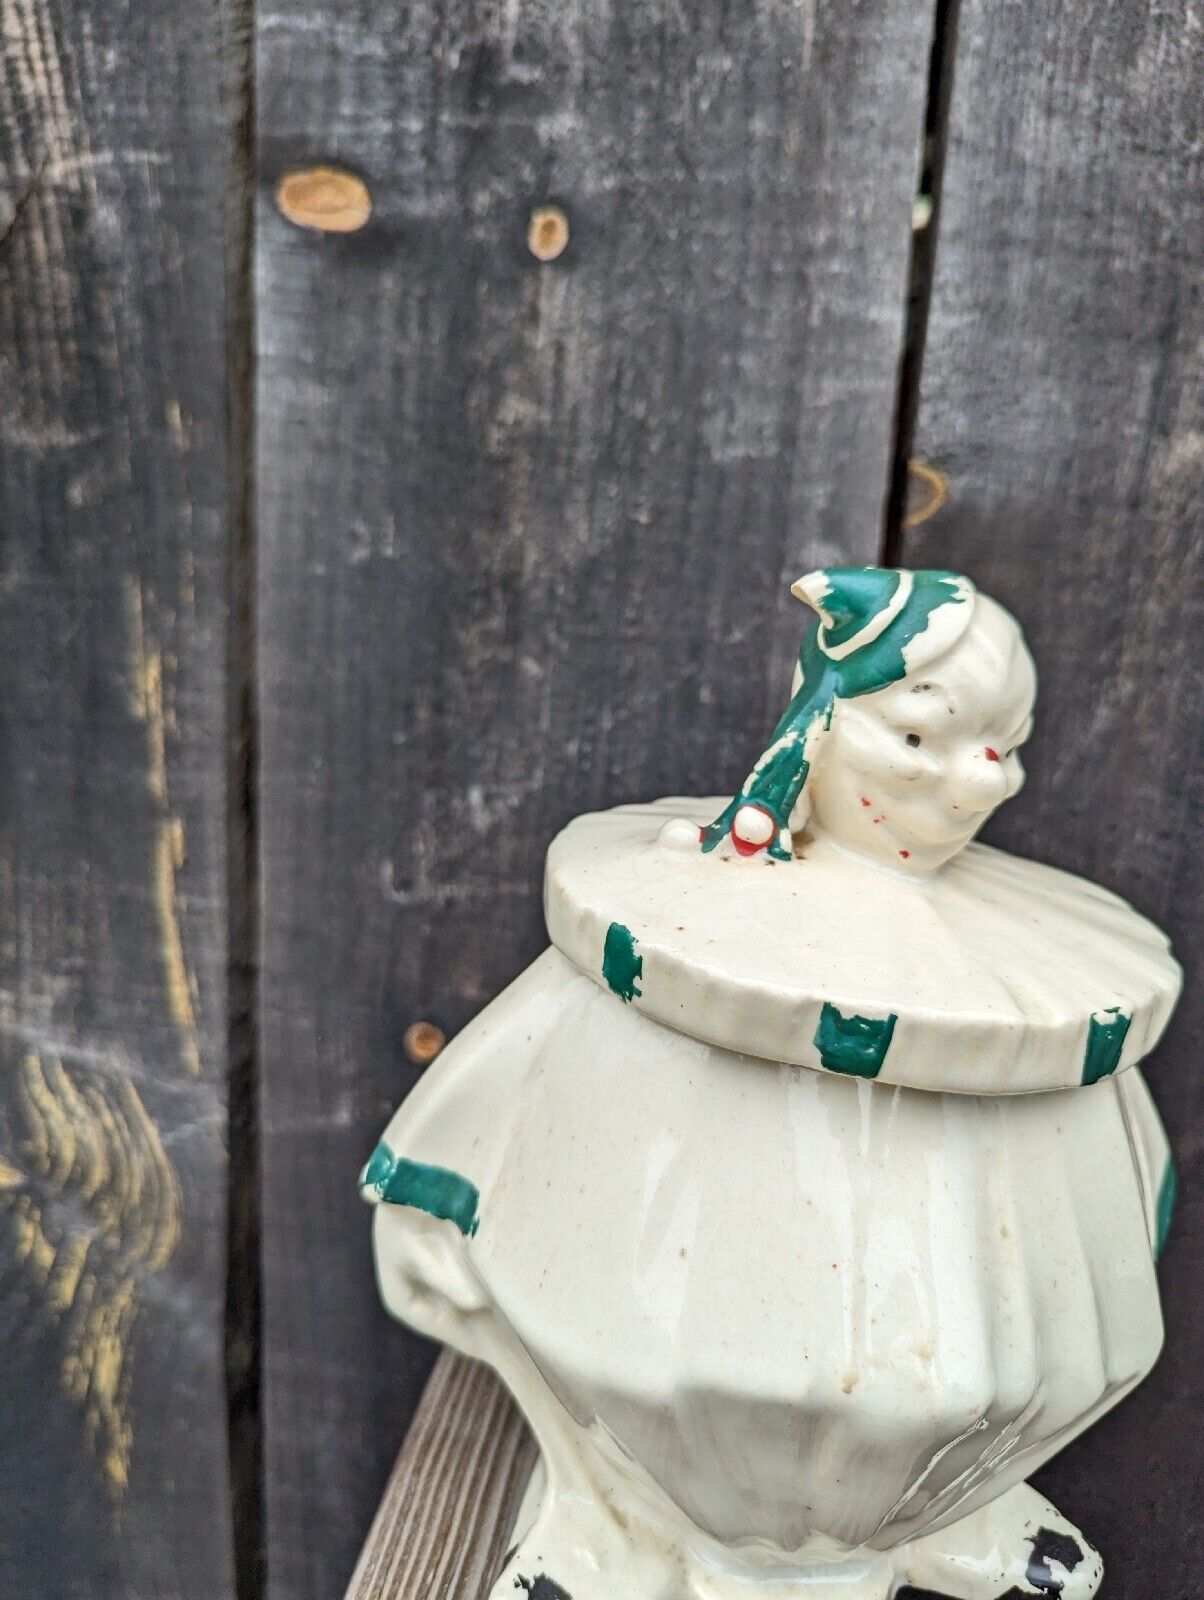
column 620, row 964
column 1164, row 1211
column 1105, row 1040
column 439, row 1192
column 853, row 1045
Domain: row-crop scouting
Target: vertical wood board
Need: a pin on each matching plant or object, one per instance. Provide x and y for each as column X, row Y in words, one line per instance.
column 526, row 531
column 1061, row 397
column 115, row 486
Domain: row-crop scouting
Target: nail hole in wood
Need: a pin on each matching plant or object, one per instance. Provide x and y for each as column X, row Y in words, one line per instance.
column 324, row 198
column 422, row 1042
column 547, row 233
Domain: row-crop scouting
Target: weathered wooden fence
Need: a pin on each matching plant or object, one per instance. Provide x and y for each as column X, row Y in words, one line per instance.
column 339, row 568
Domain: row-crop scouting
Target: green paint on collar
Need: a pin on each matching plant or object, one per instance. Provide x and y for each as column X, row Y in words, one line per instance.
column 1105, row 1040
column 854, row 1045
column 620, row 964
column 780, row 774
column 440, row 1193
column 1164, row 1211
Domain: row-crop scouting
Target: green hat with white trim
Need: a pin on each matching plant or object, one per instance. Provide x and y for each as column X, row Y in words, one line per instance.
column 856, row 605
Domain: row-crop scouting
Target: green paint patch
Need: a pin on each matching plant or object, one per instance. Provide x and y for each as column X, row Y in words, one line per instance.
column 439, row 1192
column 1164, row 1211
column 620, row 964
column 853, row 1045
column 1105, row 1040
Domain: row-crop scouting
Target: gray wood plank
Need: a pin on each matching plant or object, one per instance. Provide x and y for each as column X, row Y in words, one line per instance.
column 1061, row 396
column 116, row 156
column 525, row 534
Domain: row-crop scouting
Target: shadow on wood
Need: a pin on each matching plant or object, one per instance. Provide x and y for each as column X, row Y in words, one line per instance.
column 452, row 1498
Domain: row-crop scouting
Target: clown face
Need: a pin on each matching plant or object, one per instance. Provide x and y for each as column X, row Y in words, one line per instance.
column 908, row 775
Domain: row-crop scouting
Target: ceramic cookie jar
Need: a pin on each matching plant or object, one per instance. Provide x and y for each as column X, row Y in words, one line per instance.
column 806, row 1192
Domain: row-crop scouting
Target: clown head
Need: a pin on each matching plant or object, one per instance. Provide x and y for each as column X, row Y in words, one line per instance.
column 912, row 697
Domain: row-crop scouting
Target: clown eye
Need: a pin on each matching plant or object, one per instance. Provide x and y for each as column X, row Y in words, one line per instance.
column 913, row 740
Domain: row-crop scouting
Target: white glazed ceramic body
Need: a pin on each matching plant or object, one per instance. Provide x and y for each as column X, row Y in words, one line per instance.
column 785, row 1314
column 807, row 1193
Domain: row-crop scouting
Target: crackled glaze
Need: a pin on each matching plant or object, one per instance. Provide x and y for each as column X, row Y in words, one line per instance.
column 744, row 1188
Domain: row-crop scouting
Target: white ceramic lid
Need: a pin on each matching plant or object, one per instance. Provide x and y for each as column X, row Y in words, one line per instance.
column 992, row 975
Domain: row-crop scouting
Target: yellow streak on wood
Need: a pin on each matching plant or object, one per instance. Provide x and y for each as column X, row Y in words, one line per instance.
column 93, row 1145
column 169, row 852
column 169, row 838
column 31, row 1245
column 37, row 1142
column 68, row 1270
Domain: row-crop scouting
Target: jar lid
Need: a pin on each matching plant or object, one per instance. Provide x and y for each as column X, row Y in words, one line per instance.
column 834, row 913
column 996, row 975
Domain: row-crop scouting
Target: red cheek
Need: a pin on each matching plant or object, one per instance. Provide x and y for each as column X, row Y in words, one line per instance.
column 992, row 755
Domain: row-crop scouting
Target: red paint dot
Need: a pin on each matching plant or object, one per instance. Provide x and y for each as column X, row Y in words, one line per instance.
column 863, row 800
column 877, row 819
column 905, row 854
column 992, row 754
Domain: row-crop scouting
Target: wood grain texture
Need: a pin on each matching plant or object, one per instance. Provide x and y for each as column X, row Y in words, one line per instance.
column 115, row 488
column 1061, row 395
column 452, row 1498
column 525, row 534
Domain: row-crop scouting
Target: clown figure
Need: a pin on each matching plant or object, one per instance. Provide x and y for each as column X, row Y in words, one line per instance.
column 912, row 696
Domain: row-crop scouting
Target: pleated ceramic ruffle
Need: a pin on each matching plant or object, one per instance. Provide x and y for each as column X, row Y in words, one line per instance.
column 807, row 1307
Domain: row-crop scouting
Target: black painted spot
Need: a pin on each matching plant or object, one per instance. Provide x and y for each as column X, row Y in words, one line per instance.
column 1047, row 1546
column 1059, row 1547
column 542, row 1588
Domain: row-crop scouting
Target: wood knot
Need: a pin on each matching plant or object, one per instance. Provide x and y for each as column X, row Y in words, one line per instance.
column 325, row 199
column 547, row 233
column 422, row 1042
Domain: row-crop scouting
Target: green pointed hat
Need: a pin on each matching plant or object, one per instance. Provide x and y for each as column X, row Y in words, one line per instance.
column 857, row 606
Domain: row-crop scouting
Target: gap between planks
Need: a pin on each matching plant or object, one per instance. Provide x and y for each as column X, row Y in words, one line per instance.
column 440, row 1530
